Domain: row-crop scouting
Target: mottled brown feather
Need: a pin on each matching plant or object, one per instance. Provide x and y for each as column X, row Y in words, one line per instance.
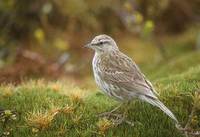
column 118, row 69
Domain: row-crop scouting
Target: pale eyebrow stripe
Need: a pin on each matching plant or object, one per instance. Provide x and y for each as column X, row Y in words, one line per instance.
column 107, row 38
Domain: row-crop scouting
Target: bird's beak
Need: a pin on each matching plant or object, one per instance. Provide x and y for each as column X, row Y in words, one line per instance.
column 87, row 45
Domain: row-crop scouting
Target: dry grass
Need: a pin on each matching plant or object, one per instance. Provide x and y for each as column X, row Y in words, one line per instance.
column 41, row 120
column 104, row 125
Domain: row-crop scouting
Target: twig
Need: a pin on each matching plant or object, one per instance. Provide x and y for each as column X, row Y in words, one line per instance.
column 187, row 130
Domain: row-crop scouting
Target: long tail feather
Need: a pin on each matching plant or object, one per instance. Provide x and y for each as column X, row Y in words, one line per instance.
column 159, row 104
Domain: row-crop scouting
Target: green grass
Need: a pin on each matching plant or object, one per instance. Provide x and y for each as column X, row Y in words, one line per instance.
column 175, row 66
column 49, row 109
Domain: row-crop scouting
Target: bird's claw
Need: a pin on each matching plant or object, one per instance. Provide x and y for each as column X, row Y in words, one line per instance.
column 117, row 119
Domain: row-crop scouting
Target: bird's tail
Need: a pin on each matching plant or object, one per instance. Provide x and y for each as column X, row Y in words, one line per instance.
column 159, row 104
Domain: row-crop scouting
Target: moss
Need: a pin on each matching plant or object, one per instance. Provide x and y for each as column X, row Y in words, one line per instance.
column 67, row 113
column 174, row 66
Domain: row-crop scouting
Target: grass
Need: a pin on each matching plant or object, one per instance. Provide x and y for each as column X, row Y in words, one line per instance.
column 49, row 109
column 176, row 66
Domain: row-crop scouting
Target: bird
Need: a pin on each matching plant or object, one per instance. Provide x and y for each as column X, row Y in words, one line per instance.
column 118, row 76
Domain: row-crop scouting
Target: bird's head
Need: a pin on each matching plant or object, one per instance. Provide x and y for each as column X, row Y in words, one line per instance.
column 102, row 43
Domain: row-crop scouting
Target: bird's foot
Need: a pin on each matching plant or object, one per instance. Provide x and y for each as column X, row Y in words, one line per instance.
column 110, row 113
column 116, row 119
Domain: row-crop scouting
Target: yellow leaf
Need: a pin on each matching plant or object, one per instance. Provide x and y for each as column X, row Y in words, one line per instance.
column 138, row 17
column 61, row 44
column 39, row 35
column 149, row 24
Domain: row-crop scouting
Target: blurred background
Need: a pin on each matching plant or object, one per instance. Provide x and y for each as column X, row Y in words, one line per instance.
column 44, row 38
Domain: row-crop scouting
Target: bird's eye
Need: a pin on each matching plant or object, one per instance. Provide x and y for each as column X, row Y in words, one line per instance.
column 101, row 42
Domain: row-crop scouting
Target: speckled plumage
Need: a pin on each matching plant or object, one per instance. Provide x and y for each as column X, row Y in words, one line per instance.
column 119, row 77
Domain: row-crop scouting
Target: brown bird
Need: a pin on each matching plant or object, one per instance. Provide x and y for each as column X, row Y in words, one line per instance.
column 119, row 77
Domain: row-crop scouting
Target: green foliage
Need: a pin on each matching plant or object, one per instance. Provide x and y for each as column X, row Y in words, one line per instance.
column 176, row 66
column 19, row 18
column 62, row 109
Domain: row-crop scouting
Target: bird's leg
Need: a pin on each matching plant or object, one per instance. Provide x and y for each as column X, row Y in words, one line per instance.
column 122, row 118
column 107, row 114
column 117, row 119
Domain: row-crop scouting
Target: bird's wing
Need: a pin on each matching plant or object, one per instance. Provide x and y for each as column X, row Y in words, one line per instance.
column 119, row 69
column 150, row 85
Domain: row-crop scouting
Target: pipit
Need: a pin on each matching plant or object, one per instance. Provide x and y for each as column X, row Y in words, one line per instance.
column 119, row 77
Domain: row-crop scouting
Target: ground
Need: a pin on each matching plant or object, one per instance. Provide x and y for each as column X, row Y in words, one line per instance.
column 60, row 108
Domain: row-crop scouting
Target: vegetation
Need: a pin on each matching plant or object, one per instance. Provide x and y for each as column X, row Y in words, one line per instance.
column 43, row 33
column 62, row 109
column 46, row 89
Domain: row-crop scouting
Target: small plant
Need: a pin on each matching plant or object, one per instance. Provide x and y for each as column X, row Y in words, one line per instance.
column 57, row 87
column 6, row 116
column 103, row 125
column 77, row 119
column 76, row 95
column 41, row 120
column 7, row 91
column 67, row 109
